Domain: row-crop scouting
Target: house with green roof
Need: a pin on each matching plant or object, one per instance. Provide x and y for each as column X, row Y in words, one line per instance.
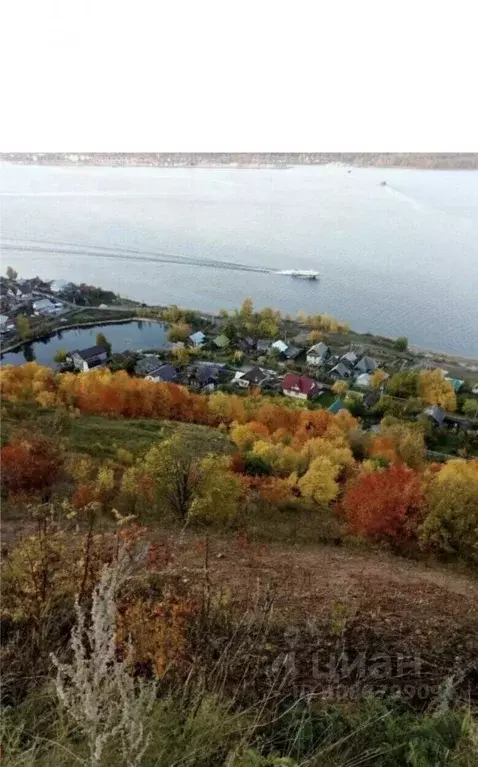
column 457, row 383
column 336, row 407
column 222, row 341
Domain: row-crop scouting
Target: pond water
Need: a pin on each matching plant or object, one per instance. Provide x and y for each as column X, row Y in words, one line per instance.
column 122, row 336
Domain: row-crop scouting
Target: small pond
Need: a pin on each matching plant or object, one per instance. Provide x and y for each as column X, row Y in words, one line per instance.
column 123, row 336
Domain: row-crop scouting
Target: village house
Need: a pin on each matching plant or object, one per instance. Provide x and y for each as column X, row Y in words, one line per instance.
column 366, row 365
column 299, row 387
column 197, row 339
column 23, row 291
column 202, row 377
column 147, row 364
column 336, row 407
column 163, row 374
column 318, row 354
column 263, row 345
column 435, row 414
column 291, row 353
column 246, row 345
column 254, row 377
column 221, row 341
column 279, row 346
column 363, row 380
column 44, row 306
column 341, row 370
column 350, row 359
column 87, row 359
column 457, row 383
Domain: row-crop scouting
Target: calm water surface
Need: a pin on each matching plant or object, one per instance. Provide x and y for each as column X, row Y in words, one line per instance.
column 127, row 335
column 395, row 259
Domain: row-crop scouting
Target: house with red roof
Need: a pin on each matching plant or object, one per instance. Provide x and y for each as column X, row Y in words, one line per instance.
column 300, row 387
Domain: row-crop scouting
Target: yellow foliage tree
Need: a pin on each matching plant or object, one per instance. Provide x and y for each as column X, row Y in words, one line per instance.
column 282, row 458
column 181, row 354
column 435, row 390
column 218, row 491
column 81, row 469
column 377, row 379
column 129, row 482
column 338, row 453
column 179, row 331
column 408, row 441
column 227, row 407
column 243, row 437
column 451, row 524
column 318, row 483
column 340, row 388
column 315, row 336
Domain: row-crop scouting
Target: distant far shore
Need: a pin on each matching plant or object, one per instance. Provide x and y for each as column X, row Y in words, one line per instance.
column 253, row 160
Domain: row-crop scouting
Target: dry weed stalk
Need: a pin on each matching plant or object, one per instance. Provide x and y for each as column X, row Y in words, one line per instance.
column 96, row 688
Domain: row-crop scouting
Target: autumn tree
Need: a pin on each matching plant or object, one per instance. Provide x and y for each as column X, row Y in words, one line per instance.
column 11, row 273
column 174, row 471
column 23, row 326
column 275, row 490
column 385, row 504
column 173, row 314
column 340, row 388
column 217, row 492
column 282, row 459
column 434, row 389
column 451, row 522
column 246, row 312
column 30, row 464
column 337, row 452
column 179, row 331
column 319, row 482
column 406, row 439
column 244, row 435
column 181, row 354
column 377, row 379
column 101, row 340
column 315, row 336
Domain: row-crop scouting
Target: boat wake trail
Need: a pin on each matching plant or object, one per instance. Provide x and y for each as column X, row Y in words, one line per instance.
column 72, row 251
column 416, row 205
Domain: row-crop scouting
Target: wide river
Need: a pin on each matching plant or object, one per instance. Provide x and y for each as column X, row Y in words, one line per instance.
column 399, row 259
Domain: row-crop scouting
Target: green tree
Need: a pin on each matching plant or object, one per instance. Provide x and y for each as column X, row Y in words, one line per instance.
column 23, row 326
column 256, row 466
column 403, row 385
column 218, row 491
column 401, row 344
column 11, row 273
column 470, row 408
column 60, row 356
column 101, row 340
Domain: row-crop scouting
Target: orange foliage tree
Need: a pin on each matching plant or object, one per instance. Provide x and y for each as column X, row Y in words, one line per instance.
column 385, row 504
column 30, row 465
